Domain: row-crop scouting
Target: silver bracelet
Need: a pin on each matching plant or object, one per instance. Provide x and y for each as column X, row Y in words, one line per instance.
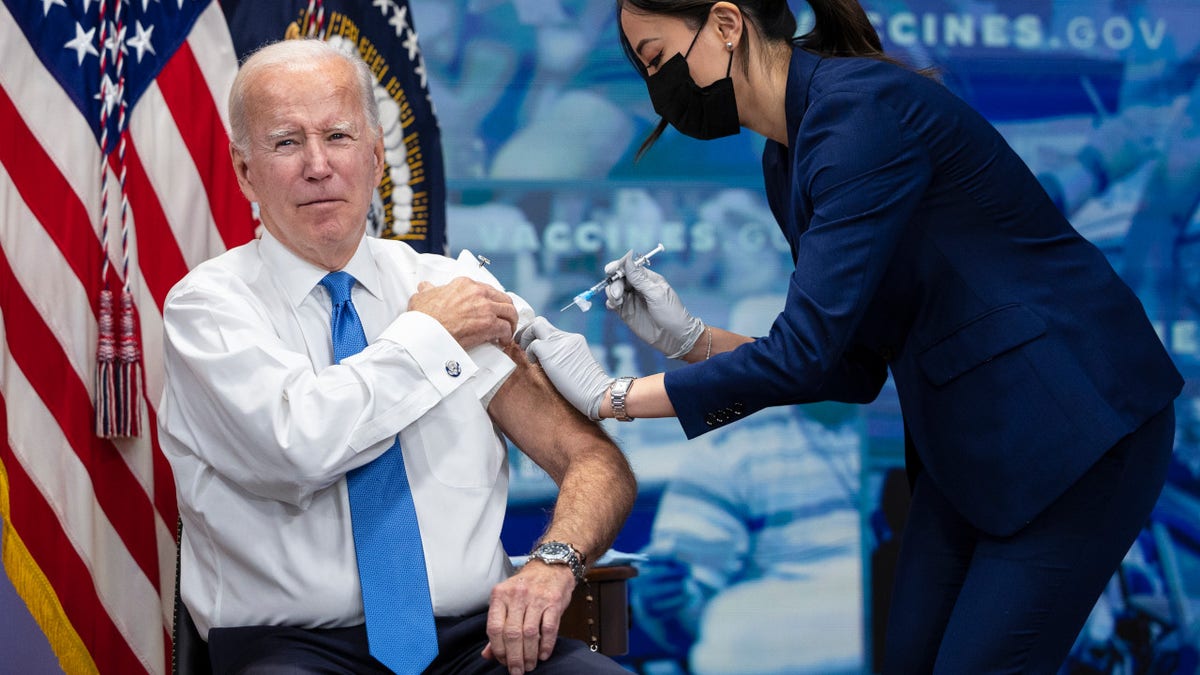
column 708, row 351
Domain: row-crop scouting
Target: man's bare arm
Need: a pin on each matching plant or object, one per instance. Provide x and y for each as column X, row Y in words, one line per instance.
column 596, row 485
column 596, row 493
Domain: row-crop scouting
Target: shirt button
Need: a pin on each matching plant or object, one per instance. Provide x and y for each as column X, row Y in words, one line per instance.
column 453, row 369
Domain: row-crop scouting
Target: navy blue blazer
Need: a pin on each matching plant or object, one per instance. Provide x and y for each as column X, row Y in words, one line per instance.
column 924, row 244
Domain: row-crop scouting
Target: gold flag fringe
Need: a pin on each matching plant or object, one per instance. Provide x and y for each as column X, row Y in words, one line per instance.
column 39, row 595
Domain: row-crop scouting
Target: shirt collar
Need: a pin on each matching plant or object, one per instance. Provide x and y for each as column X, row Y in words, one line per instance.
column 298, row 277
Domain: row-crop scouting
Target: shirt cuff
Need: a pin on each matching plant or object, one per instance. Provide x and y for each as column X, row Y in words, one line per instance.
column 443, row 362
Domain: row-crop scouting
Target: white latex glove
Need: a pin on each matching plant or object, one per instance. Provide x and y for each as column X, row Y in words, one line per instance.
column 651, row 309
column 568, row 363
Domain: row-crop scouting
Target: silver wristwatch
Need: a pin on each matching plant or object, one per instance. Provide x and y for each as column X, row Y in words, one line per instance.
column 617, row 394
column 559, row 553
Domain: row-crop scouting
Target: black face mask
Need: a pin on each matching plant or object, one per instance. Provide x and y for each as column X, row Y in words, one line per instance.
column 700, row 112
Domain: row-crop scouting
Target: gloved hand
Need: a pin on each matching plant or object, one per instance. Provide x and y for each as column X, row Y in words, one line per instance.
column 568, row 363
column 651, row 309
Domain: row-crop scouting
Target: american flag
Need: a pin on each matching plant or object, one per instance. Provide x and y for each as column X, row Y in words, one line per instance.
column 89, row 522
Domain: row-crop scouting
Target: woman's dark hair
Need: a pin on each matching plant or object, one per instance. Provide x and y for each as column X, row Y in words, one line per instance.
column 840, row 28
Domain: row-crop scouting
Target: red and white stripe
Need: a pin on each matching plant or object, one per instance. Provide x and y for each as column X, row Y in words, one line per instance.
column 97, row 516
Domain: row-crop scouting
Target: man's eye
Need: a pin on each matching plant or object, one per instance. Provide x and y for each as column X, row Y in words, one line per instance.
column 285, row 142
column 337, row 136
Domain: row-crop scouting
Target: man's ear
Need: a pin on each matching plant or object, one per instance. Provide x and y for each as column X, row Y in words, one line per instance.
column 242, row 170
column 380, row 156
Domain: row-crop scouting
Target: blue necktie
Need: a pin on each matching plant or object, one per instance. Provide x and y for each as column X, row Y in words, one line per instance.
column 387, row 540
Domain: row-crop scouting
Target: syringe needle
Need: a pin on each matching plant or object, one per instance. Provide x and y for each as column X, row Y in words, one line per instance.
column 583, row 300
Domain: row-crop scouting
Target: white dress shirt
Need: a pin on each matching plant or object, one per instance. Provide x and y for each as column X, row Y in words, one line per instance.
column 260, row 430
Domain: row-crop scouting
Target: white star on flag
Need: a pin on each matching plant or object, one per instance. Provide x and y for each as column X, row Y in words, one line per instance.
column 399, row 21
column 420, row 71
column 141, row 41
column 82, row 44
column 109, row 93
column 116, row 41
column 410, row 43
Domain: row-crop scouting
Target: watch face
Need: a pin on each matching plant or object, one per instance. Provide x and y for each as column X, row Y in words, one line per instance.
column 564, row 554
column 554, row 550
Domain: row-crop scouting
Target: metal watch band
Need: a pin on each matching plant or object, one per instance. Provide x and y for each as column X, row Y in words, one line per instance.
column 561, row 553
column 617, row 395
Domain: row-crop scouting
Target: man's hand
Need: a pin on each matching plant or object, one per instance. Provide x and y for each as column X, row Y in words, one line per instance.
column 473, row 312
column 524, row 614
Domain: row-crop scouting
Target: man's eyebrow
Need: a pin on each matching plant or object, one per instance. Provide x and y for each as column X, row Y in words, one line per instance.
column 283, row 132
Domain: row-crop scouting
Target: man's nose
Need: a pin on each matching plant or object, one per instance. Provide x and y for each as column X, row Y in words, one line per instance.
column 316, row 161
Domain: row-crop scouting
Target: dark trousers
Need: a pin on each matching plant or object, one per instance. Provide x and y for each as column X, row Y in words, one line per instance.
column 968, row 602
column 283, row 650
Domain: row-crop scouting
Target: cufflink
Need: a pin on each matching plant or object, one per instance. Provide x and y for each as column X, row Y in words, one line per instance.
column 453, row 369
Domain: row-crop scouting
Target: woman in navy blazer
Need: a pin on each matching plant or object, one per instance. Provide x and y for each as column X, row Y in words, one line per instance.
column 1036, row 397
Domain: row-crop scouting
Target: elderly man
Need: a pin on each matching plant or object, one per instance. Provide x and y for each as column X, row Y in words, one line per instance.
column 332, row 412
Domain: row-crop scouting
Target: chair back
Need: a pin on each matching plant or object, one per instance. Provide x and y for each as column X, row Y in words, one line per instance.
column 189, row 651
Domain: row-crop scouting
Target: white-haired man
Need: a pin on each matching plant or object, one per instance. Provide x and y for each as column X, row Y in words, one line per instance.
column 299, row 364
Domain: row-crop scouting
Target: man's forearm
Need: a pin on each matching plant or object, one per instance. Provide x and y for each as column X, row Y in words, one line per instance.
column 596, row 485
column 595, row 497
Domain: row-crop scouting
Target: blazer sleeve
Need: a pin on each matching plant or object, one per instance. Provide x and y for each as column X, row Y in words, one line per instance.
column 857, row 377
column 861, row 175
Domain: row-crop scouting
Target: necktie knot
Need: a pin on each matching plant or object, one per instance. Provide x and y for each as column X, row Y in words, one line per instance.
column 348, row 338
column 339, row 285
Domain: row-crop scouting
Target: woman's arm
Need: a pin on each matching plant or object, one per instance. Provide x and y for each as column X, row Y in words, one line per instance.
column 857, row 378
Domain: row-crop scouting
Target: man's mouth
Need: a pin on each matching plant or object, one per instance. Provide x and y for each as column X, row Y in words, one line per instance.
column 318, row 202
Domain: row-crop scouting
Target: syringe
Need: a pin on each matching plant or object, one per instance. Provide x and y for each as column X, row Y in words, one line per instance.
column 584, row 300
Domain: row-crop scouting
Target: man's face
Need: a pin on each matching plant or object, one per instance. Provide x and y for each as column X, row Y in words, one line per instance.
column 312, row 163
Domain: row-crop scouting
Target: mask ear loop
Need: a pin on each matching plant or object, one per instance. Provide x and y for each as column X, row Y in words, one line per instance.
column 694, row 38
